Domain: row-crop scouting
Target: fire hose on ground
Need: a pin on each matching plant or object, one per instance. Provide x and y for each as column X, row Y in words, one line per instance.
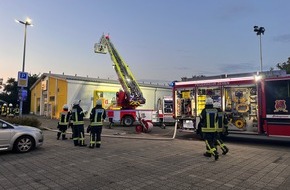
column 131, row 137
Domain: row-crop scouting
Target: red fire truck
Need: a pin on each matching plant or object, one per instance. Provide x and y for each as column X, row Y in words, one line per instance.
column 255, row 103
column 131, row 96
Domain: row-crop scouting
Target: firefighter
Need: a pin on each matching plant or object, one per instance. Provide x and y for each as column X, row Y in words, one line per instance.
column 97, row 116
column 70, row 123
column 4, row 110
column 16, row 110
column 222, row 123
column 10, row 110
column 208, row 121
column 77, row 119
column 62, row 125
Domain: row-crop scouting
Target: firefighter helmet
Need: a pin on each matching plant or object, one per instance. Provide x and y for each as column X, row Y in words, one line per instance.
column 76, row 102
column 65, row 107
column 209, row 101
column 99, row 102
column 10, row 105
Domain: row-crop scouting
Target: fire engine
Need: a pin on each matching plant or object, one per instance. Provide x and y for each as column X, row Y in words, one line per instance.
column 255, row 103
column 131, row 96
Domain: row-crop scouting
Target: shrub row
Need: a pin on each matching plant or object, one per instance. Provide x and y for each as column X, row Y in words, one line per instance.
column 29, row 121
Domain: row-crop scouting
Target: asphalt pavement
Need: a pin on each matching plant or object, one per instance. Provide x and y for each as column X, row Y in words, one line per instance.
column 127, row 160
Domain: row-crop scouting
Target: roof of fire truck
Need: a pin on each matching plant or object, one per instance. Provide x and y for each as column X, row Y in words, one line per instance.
column 220, row 79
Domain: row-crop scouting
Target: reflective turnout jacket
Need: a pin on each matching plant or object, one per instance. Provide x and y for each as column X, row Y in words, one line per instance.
column 97, row 116
column 77, row 115
column 64, row 118
column 221, row 121
column 4, row 110
column 209, row 118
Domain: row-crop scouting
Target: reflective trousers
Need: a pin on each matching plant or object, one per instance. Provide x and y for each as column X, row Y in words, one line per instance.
column 210, row 139
column 220, row 143
column 95, row 136
column 78, row 135
column 62, row 131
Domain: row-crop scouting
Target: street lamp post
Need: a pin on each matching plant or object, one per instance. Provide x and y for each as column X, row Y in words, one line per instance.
column 260, row 31
column 26, row 23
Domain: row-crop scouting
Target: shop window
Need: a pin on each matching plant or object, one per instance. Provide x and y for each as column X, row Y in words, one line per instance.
column 51, row 98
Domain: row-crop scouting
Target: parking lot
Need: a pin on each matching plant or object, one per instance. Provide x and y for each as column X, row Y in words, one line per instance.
column 127, row 160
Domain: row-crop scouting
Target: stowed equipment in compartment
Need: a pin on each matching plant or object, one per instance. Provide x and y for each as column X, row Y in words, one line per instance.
column 241, row 108
column 185, row 104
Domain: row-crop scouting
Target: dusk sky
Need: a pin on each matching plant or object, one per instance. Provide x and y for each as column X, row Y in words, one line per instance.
column 160, row 40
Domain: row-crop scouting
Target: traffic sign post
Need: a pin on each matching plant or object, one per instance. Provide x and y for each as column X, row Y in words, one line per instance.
column 23, row 76
column 22, row 95
column 22, row 79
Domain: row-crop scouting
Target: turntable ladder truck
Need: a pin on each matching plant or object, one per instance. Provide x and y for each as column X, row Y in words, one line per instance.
column 131, row 96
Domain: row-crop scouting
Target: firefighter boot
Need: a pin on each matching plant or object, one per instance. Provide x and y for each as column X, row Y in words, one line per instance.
column 225, row 150
column 92, row 146
column 63, row 137
column 98, row 145
column 83, row 144
column 76, row 142
column 58, row 135
column 207, row 154
column 216, row 155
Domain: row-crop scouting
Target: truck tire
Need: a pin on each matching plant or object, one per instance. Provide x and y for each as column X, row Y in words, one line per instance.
column 128, row 120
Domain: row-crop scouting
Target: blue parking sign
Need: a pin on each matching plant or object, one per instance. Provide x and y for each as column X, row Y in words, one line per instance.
column 22, row 79
column 23, row 75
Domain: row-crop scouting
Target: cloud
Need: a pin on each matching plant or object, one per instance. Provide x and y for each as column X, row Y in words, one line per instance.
column 238, row 67
column 233, row 11
column 182, row 68
column 282, row 38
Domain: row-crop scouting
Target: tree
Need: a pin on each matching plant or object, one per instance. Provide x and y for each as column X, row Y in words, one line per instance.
column 1, row 82
column 10, row 92
column 284, row 66
column 11, row 89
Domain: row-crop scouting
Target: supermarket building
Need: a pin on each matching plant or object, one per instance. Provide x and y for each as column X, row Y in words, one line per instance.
column 51, row 91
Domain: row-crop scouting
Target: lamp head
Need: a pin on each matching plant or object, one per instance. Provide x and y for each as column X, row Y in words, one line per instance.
column 28, row 21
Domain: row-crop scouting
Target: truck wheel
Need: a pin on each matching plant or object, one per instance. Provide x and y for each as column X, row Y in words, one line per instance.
column 128, row 120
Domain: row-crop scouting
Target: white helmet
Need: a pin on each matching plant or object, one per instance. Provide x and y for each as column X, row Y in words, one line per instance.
column 76, row 102
column 99, row 102
column 10, row 105
column 4, row 104
column 209, row 101
column 65, row 107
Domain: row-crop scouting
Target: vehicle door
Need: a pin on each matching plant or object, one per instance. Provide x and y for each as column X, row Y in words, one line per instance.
column 5, row 135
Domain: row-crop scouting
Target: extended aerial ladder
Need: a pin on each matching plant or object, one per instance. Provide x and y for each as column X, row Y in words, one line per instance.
column 131, row 96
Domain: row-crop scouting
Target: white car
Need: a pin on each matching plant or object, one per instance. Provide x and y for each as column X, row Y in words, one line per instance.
column 19, row 138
